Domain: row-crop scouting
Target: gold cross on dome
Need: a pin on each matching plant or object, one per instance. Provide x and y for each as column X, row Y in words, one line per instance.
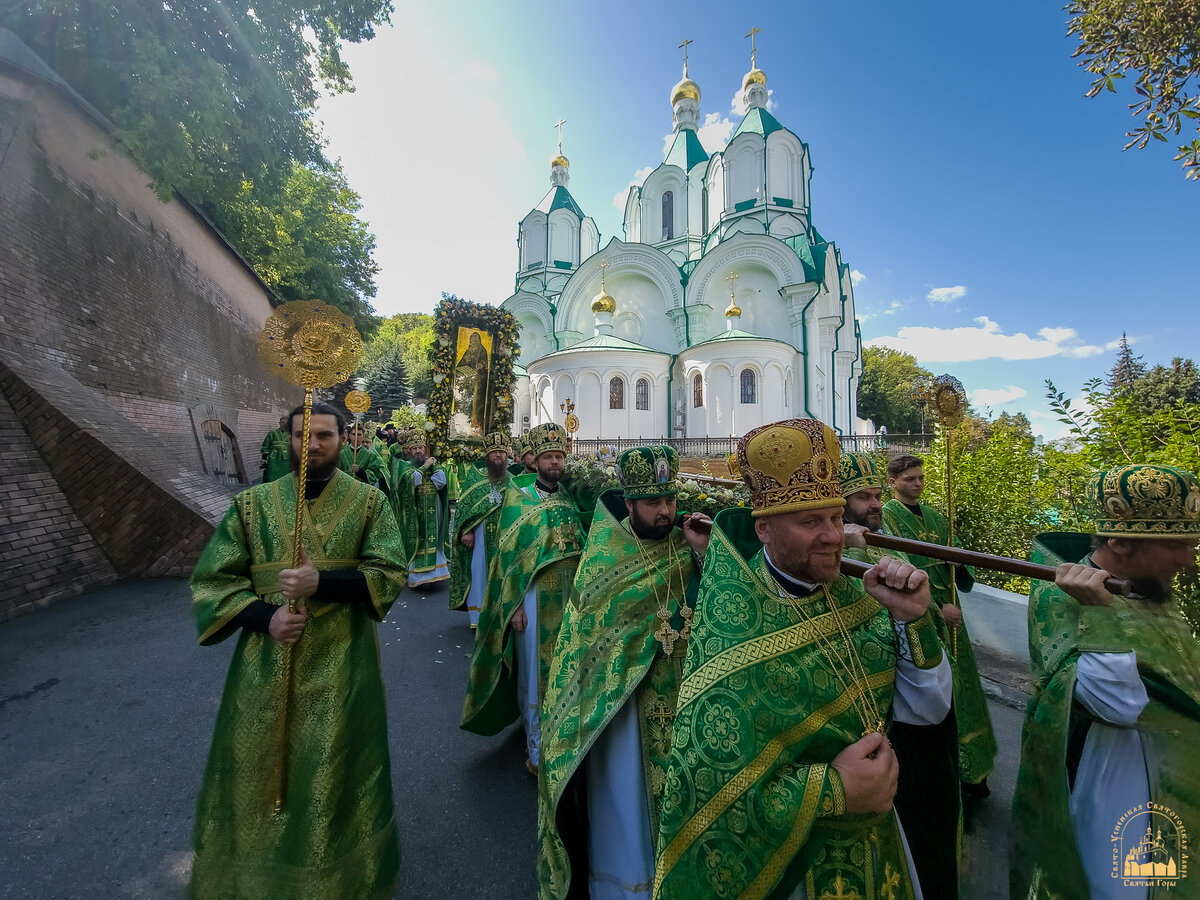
column 604, row 264
column 559, row 124
column 753, row 46
column 731, row 278
column 683, row 47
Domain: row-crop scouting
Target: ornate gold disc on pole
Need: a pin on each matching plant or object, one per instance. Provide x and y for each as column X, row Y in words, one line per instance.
column 949, row 402
column 358, row 402
column 313, row 345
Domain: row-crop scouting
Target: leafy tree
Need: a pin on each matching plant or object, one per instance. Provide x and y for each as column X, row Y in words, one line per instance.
column 386, row 380
column 886, row 387
column 413, row 334
column 216, row 100
column 1159, row 40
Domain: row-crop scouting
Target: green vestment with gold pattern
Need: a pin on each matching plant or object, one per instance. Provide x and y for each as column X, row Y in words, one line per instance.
column 368, row 461
column 976, row 739
column 479, row 502
column 277, row 448
column 610, row 652
column 336, row 835
column 1045, row 859
column 539, row 544
column 752, row 807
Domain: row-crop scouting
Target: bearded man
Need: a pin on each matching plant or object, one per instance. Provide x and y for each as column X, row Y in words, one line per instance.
column 417, row 488
column 781, row 777
column 610, row 698
column 529, row 581
column 477, row 526
column 1109, row 784
column 360, row 459
column 336, row 834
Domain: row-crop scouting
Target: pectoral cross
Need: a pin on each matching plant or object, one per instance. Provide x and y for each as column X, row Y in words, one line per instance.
column 685, row 613
column 666, row 635
column 559, row 124
column 754, row 64
column 683, row 47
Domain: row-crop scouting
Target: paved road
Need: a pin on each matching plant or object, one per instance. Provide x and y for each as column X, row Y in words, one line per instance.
column 106, row 711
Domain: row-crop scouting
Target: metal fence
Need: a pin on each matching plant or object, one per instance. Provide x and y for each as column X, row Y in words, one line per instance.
column 720, row 447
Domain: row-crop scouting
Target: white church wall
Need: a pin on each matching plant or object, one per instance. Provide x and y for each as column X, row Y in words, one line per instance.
column 785, row 167
column 718, row 196
column 522, row 404
column 661, row 181
column 533, row 240
column 719, row 403
column 744, row 163
column 564, row 237
column 589, row 238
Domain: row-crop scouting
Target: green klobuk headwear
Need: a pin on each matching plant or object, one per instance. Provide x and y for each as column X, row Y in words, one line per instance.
column 857, row 472
column 648, row 472
column 1145, row 502
column 523, row 445
column 547, row 437
column 496, row 440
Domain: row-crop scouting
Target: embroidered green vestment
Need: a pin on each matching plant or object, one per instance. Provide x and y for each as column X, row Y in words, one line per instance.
column 976, row 739
column 336, row 836
column 479, row 501
column 277, row 448
column 369, row 464
column 609, row 654
column 540, row 542
column 1045, row 859
column 752, row 807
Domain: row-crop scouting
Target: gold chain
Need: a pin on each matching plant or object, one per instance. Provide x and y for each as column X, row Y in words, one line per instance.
column 844, row 666
column 666, row 635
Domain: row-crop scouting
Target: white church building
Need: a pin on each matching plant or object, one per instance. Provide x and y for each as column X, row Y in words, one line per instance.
column 722, row 309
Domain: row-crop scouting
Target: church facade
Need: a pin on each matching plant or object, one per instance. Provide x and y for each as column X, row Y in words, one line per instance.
column 722, row 309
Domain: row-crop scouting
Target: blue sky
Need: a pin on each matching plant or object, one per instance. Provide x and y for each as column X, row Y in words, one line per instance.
column 998, row 231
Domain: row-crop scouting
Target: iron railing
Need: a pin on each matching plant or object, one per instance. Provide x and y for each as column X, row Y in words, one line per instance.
column 718, row 447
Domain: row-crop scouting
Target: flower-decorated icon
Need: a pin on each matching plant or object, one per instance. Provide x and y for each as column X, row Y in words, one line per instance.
column 311, row 344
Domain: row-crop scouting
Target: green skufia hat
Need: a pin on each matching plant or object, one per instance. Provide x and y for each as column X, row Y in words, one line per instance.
column 523, row 445
column 547, row 437
column 857, row 472
column 496, row 440
column 1145, row 502
column 647, row 472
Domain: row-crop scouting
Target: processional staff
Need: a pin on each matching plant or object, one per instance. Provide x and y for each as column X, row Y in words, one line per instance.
column 312, row 345
column 358, row 402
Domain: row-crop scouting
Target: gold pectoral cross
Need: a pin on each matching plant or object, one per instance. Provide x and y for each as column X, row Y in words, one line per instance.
column 685, row 613
column 666, row 635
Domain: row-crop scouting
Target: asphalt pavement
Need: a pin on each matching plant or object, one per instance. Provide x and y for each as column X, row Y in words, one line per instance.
column 106, row 712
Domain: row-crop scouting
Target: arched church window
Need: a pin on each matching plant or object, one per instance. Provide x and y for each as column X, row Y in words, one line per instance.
column 668, row 216
column 697, row 390
column 786, row 396
column 641, row 394
column 616, row 393
column 704, row 210
column 749, row 387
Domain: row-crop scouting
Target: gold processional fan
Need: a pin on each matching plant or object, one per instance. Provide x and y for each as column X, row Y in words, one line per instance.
column 358, row 402
column 313, row 345
column 949, row 402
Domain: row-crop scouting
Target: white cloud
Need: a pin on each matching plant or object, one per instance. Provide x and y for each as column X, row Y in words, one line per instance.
column 715, row 132
column 857, row 277
column 482, row 72
column 947, row 294
column 622, row 195
column 985, row 340
column 997, row 396
column 738, row 104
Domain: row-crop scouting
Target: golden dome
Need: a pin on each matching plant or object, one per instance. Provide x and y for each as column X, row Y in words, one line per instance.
column 732, row 310
column 560, row 160
column 754, row 76
column 685, row 88
column 603, row 302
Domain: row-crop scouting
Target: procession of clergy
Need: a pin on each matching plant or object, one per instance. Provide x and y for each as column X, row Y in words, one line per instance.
column 711, row 709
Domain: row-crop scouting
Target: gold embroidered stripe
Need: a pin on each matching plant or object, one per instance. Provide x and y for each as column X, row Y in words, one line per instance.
column 769, row 646
column 741, row 782
column 770, row 873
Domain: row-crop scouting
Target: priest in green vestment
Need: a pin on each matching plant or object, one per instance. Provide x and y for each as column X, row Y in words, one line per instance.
column 928, row 800
column 359, row 459
column 276, row 452
column 907, row 517
column 529, row 581
column 335, row 835
column 610, row 697
column 476, row 530
column 1108, row 793
column 416, row 487
column 781, row 778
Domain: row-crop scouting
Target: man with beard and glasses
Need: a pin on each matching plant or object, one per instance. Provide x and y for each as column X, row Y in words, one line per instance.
column 336, row 833
column 610, row 697
column 417, row 489
column 781, row 778
column 907, row 517
column 477, row 526
column 1109, row 749
column 927, row 795
column 529, row 581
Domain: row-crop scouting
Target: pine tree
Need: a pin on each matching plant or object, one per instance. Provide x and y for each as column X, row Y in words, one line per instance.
column 387, row 381
column 1126, row 371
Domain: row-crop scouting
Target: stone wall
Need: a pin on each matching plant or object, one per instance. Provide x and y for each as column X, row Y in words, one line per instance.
column 125, row 324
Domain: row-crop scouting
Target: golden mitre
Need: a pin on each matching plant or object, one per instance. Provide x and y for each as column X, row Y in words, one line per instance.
column 791, row 465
